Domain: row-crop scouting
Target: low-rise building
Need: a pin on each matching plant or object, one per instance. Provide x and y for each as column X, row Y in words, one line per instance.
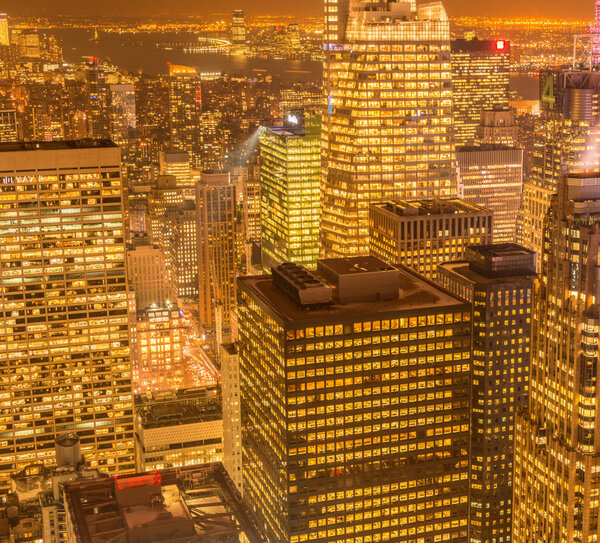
column 179, row 428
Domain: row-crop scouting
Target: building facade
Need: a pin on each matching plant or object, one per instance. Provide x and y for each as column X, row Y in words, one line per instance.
column 498, row 280
column 216, row 225
column 349, row 431
column 556, row 482
column 480, row 81
column 290, row 179
column 421, row 234
column 179, row 428
column 387, row 131
column 64, row 338
column 492, row 176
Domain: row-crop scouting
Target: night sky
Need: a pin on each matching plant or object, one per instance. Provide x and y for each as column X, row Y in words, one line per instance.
column 575, row 9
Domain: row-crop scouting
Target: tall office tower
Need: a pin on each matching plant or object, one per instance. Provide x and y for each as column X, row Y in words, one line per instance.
column 567, row 137
column 557, row 451
column 497, row 126
column 535, row 202
column 366, row 439
column 492, row 176
column 147, row 274
column 238, row 28
column 181, row 250
column 164, row 195
column 232, row 415
column 122, row 113
column 179, row 428
column 498, row 280
column 185, row 96
column 421, row 234
column 64, row 339
column 480, row 81
column 98, row 111
column 387, row 132
column 216, row 224
column 8, row 126
column 177, row 163
column 4, row 32
column 157, row 349
column 290, row 179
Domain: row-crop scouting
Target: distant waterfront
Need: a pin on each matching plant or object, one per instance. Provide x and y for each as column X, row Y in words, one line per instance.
column 138, row 53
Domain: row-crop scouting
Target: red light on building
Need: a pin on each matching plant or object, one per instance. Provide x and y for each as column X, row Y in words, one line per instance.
column 500, row 45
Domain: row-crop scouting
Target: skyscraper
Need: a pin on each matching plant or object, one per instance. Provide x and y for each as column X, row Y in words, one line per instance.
column 387, row 131
column 492, row 176
column 354, row 389
column 216, row 206
column 238, row 29
column 290, row 179
column 557, row 460
column 567, row 138
column 122, row 113
column 4, row 32
column 498, row 281
column 480, row 81
column 421, row 234
column 147, row 274
column 497, row 126
column 64, row 339
column 8, row 126
column 185, row 95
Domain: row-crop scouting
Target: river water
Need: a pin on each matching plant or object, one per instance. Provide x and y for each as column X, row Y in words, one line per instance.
column 139, row 53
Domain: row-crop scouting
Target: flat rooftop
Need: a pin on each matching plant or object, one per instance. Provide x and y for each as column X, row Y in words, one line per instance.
column 87, row 143
column 414, row 294
column 463, row 268
column 183, row 505
column 177, row 408
column 434, row 206
column 501, row 249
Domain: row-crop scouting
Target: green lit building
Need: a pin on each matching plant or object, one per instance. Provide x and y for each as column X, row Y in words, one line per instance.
column 290, row 170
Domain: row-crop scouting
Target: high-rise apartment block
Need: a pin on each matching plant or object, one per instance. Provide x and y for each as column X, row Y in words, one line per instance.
column 480, row 81
column 185, row 98
column 147, row 274
column 176, row 163
column 164, row 196
column 355, row 403
column 232, row 414
column 64, row 338
column 181, row 251
column 498, row 280
column 9, row 128
column 123, row 120
column 387, row 128
column 492, row 176
column 290, row 179
column 157, row 362
column 216, row 208
column 421, row 234
column 557, row 448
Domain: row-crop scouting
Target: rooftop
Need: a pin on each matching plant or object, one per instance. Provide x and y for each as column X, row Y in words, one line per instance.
column 183, row 505
column 413, row 292
column 87, row 143
column 179, row 407
column 434, row 206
